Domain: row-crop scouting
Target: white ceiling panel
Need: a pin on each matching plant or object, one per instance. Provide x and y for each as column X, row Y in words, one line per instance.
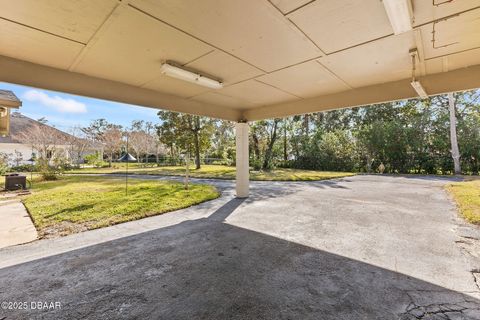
column 430, row 10
column 222, row 100
column 77, row 20
column 256, row 93
column 287, row 6
column 225, row 67
column 134, row 46
column 453, row 62
column 305, row 80
column 376, row 62
column 339, row 24
column 251, row 30
column 458, row 33
column 174, row 86
column 28, row 44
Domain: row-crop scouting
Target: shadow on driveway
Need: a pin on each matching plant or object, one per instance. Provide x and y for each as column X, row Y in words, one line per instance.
column 206, row 269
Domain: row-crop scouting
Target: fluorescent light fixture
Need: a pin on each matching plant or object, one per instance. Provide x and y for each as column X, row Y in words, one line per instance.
column 419, row 89
column 185, row 75
column 399, row 13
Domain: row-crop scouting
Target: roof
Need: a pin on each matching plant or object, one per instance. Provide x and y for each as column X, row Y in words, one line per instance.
column 9, row 99
column 274, row 57
column 20, row 123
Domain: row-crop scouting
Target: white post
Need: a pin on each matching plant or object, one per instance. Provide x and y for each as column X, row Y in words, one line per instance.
column 242, row 178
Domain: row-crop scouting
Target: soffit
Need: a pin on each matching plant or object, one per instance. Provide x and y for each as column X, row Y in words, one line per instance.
column 251, row 30
column 256, row 93
column 132, row 48
column 77, row 20
column 376, row 62
column 426, row 11
column 338, row 24
column 267, row 53
column 32, row 45
column 287, row 6
column 305, row 80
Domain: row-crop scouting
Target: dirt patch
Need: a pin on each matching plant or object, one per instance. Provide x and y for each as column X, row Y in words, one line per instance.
column 62, row 229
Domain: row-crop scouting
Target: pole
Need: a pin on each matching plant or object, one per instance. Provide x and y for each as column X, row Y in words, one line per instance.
column 187, row 163
column 31, row 170
column 126, row 172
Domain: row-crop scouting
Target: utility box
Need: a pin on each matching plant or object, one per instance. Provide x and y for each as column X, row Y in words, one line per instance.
column 15, row 181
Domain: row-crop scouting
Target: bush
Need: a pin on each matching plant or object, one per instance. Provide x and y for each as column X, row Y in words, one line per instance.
column 23, row 168
column 95, row 160
column 48, row 171
column 256, row 164
column 222, row 162
column 3, row 163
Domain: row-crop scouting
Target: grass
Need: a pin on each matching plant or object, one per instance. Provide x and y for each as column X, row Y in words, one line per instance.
column 467, row 197
column 223, row 172
column 77, row 203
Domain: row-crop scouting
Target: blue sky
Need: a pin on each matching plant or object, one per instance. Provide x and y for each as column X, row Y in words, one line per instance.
column 65, row 111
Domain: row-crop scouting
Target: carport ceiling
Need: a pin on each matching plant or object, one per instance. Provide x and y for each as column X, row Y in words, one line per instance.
column 275, row 58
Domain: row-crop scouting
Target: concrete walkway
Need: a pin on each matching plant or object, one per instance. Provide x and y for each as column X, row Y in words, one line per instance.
column 364, row 247
column 16, row 227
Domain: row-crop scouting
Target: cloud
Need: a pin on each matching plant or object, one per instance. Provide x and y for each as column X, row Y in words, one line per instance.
column 58, row 103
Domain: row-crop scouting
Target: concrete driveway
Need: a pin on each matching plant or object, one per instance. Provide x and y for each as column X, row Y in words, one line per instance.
column 364, row 247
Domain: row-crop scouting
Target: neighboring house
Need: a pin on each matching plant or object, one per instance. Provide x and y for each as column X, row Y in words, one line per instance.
column 20, row 150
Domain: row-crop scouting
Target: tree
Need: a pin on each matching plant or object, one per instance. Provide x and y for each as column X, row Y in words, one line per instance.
column 453, row 134
column 108, row 134
column 17, row 157
column 44, row 140
column 47, row 142
column 96, row 129
column 188, row 132
column 111, row 139
column 77, row 144
column 271, row 138
column 143, row 140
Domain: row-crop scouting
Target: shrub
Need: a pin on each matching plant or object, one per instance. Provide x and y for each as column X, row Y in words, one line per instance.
column 94, row 160
column 3, row 163
column 256, row 164
column 23, row 168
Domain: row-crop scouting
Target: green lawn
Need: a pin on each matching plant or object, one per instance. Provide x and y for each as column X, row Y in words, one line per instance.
column 76, row 203
column 222, row 172
column 467, row 197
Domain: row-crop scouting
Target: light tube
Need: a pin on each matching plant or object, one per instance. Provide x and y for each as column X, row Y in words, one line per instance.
column 399, row 13
column 185, row 75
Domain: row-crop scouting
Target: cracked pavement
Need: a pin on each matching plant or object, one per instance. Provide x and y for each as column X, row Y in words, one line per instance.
column 364, row 247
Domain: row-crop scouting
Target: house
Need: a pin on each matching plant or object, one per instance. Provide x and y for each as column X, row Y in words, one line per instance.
column 29, row 139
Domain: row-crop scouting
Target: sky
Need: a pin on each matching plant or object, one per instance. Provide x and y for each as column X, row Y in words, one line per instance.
column 65, row 111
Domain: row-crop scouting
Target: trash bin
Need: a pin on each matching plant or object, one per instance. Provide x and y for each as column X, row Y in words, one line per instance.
column 15, row 181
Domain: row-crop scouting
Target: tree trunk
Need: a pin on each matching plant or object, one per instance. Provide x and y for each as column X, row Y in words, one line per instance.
column 285, row 156
column 268, row 152
column 256, row 148
column 197, row 149
column 453, row 134
column 195, row 128
column 306, row 124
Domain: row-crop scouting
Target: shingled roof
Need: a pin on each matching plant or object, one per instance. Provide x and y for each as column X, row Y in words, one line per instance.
column 9, row 99
column 20, row 123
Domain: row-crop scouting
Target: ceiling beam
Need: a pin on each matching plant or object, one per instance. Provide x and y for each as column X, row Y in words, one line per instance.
column 456, row 80
column 39, row 76
column 30, row 74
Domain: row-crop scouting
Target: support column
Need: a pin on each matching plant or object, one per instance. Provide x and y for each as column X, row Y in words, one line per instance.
column 242, row 163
